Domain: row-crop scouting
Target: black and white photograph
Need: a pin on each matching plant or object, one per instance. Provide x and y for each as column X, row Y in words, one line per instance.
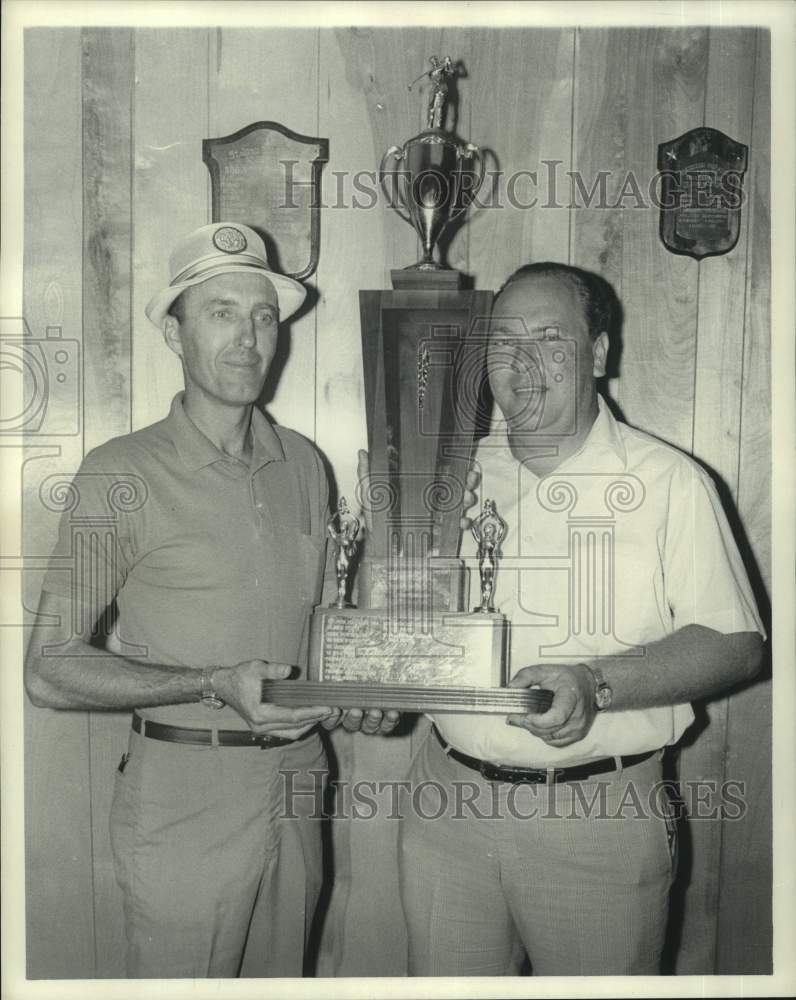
column 397, row 437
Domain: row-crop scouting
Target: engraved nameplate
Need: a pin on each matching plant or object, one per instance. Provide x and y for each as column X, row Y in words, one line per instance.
column 372, row 646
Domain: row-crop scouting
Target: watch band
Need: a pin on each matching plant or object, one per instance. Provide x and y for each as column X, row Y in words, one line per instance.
column 208, row 696
column 603, row 693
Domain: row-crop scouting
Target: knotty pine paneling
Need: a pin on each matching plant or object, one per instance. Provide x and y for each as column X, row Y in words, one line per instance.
column 58, row 860
column 665, row 96
column 719, row 343
column 108, row 62
column 521, row 109
column 170, row 192
column 745, row 920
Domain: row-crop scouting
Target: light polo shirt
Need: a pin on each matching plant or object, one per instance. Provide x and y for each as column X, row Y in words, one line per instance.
column 623, row 544
column 211, row 561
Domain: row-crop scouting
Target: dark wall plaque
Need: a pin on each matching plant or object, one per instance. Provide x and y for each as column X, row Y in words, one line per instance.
column 269, row 177
column 701, row 192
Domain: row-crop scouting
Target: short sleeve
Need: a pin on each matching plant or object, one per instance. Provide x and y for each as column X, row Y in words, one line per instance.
column 93, row 552
column 704, row 577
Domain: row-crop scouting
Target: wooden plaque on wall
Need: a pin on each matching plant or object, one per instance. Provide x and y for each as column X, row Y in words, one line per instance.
column 701, row 192
column 269, row 177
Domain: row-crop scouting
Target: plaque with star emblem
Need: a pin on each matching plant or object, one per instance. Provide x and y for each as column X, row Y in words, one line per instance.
column 702, row 192
column 269, row 177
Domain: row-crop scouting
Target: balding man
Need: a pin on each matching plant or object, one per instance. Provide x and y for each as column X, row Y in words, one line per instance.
column 628, row 600
column 215, row 560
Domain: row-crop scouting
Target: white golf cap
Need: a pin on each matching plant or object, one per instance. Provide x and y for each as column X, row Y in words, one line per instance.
column 221, row 248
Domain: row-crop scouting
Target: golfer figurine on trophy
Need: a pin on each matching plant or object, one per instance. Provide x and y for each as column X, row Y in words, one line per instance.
column 343, row 528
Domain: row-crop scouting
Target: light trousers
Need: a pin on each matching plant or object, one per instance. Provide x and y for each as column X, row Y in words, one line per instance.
column 207, row 860
column 583, row 890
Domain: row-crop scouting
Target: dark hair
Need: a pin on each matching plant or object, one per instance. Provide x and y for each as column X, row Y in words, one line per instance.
column 177, row 308
column 600, row 303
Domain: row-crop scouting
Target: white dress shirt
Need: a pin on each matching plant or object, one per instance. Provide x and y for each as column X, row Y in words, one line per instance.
column 623, row 544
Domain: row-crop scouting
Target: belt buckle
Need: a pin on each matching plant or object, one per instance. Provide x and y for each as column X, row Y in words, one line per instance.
column 494, row 772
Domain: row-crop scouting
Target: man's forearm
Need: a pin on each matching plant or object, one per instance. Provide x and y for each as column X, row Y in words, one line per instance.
column 66, row 671
column 692, row 663
column 84, row 678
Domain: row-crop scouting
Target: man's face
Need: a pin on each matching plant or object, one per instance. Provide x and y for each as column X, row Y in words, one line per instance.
column 227, row 336
column 541, row 359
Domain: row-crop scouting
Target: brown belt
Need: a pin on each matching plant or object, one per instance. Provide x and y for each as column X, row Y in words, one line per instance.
column 536, row 775
column 204, row 737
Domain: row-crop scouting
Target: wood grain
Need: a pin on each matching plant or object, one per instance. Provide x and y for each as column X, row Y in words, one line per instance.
column 378, row 65
column 108, row 60
column 521, row 84
column 745, row 918
column 665, row 97
column 272, row 75
column 599, row 134
column 715, row 432
column 722, row 289
column 107, row 231
column 600, row 118
column 170, row 193
column 58, row 867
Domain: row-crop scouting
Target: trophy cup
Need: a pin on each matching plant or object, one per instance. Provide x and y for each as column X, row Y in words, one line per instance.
column 435, row 176
column 412, row 642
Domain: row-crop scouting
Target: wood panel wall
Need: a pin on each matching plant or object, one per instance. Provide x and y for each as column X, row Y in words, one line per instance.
column 114, row 120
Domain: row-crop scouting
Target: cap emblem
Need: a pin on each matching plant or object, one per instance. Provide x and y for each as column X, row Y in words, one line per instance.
column 229, row 239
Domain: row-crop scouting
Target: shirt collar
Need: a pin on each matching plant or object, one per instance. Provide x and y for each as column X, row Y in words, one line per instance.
column 198, row 451
column 603, row 442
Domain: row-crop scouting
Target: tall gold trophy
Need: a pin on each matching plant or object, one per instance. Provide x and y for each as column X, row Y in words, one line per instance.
column 415, row 642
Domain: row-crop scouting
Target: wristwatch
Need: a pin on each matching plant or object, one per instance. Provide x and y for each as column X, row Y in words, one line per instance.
column 208, row 696
column 603, row 694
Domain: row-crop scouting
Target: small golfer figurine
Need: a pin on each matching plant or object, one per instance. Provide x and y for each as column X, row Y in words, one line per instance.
column 488, row 530
column 436, row 106
column 343, row 529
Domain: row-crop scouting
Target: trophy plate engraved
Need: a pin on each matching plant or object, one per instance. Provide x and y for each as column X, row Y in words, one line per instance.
column 372, row 646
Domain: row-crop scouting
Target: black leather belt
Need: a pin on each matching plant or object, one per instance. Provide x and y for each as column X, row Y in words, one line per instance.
column 204, row 737
column 539, row 776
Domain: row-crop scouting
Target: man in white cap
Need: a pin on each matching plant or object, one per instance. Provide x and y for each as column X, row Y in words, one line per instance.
column 215, row 559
